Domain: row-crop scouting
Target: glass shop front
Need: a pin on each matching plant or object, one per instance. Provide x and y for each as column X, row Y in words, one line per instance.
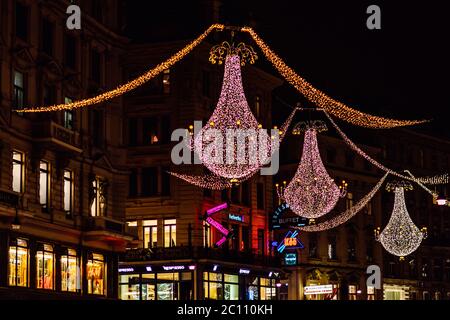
column 178, row 282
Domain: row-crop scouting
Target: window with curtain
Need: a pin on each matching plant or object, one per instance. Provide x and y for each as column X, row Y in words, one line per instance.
column 70, row 271
column 18, row 265
column 96, row 274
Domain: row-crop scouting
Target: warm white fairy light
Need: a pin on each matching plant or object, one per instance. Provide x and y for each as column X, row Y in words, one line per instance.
column 206, row 181
column 311, row 193
column 355, row 148
column 400, row 237
column 347, row 214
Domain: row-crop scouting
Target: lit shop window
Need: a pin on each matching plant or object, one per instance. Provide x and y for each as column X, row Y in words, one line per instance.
column 218, row 286
column 352, row 292
column 170, row 233
column 70, row 271
column 98, row 197
column 18, row 163
column 44, row 183
column 370, row 293
column 68, row 115
column 45, row 267
column 148, row 286
column 167, row 286
column 96, row 274
column 68, row 191
column 166, row 81
column 150, row 233
column 18, row 263
column 267, row 289
column 252, row 290
column 129, row 287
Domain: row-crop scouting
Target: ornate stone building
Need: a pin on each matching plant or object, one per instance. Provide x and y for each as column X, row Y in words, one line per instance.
column 62, row 179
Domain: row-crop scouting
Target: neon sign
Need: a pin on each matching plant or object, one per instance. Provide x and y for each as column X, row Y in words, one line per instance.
column 290, row 259
column 278, row 222
column 216, row 209
column 224, row 231
column 170, row 268
column 290, row 241
column 236, row 217
column 126, row 269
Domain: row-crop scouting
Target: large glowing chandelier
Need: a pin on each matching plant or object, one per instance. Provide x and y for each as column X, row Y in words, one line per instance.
column 232, row 114
column 401, row 236
column 312, row 193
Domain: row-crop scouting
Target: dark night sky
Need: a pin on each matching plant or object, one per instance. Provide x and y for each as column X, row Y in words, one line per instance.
column 400, row 71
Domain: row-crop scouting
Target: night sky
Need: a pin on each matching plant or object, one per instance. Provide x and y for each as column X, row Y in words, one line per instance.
column 400, row 71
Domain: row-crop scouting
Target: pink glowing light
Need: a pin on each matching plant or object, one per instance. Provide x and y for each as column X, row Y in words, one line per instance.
column 312, row 193
column 221, row 241
column 216, row 208
column 218, row 226
column 232, row 112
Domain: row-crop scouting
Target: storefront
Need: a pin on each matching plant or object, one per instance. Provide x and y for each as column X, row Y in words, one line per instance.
column 48, row 267
column 196, row 281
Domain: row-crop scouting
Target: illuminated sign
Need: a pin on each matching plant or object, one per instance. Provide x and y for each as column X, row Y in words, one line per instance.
column 191, row 267
column 170, row 268
column 224, row 231
column 216, row 208
column 148, row 268
column 218, row 226
column 236, row 217
column 278, row 222
column 290, row 242
column 290, row 259
column 244, row 271
column 321, row 289
column 126, row 269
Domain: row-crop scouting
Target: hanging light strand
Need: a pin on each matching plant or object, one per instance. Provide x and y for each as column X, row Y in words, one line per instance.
column 355, row 148
column 346, row 215
column 336, row 108
column 133, row 84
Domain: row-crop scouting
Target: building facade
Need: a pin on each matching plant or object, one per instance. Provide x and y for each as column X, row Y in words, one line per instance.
column 168, row 213
column 62, row 183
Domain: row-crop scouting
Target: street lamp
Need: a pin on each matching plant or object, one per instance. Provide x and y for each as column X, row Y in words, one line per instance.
column 15, row 225
column 441, row 200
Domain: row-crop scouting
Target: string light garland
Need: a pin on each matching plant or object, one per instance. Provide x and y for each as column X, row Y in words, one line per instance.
column 336, row 108
column 355, row 148
column 401, row 236
column 346, row 215
column 311, row 193
column 133, row 84
column 435, row 180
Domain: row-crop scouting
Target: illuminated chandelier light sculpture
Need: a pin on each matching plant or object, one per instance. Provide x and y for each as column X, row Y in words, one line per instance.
column 312, row 193
column 347, row 214
column 232, row 113
column 401, row 236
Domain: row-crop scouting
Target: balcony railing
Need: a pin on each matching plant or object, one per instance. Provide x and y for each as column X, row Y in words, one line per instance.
column 181, row 252
column 9, row 198
column 103, row 224
column 49, row 131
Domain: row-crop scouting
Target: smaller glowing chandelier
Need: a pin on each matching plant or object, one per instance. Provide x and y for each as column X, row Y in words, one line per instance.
column 312, row 193
column 401, row 236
